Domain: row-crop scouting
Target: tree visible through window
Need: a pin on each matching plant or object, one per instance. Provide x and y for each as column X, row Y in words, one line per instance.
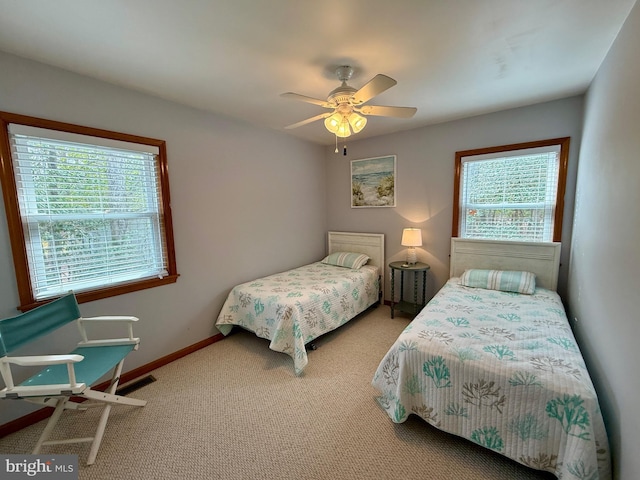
column 88, row 210
column 512, row 192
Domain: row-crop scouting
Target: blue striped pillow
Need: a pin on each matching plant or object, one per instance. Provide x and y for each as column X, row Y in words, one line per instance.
column 503, row 280
column 346, row 259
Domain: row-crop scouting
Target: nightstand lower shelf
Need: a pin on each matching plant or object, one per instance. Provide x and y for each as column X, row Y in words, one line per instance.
column 407, row 307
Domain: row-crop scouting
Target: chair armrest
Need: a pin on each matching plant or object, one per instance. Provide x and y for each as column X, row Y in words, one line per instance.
column 40, row 360
column 128, row 320
column 109, row 341
column 109, row 318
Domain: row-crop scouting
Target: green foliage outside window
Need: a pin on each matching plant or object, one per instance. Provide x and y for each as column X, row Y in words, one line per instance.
column 87, row 209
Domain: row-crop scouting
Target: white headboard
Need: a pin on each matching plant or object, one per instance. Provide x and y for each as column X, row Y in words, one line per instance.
column 371, row 244
column 543, row 259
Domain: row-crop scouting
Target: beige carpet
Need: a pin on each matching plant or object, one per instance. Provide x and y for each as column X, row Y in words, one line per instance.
column 235, row 410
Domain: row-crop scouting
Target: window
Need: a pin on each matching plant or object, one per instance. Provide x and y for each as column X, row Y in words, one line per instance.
column 511, row 192
column 88, row 210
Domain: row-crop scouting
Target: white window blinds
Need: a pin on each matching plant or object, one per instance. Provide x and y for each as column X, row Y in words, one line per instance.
column 90, row 210
column 510, row 195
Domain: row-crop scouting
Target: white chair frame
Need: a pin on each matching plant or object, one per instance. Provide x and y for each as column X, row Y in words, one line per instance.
column 59, row 396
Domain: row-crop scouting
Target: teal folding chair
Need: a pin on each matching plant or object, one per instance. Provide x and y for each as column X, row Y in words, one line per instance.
column 66, row 376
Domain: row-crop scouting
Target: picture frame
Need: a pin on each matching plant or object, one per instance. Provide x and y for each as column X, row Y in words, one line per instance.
column 373, row 182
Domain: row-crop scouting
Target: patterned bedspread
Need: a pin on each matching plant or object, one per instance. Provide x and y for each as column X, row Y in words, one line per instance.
column 504, row 371
column 295, row 307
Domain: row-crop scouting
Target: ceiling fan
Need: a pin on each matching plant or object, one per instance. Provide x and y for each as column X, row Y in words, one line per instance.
column 347, row 104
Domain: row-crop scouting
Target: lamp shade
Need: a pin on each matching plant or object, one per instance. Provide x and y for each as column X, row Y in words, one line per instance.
column 357, row 122
column 333, row 122
column 411, row 237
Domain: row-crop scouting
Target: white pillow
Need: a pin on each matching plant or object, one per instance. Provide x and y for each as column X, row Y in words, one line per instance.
column 503, row 280
column 346, row 259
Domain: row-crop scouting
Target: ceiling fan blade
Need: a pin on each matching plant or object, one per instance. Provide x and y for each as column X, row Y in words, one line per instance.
column 304, row 98
column 309, row 120
column 398, row 112
column 375, row 86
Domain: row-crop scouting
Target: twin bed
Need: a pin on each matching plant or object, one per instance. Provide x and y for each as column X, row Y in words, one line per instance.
column 490, row 358
column 500, row 367
column 293, row 308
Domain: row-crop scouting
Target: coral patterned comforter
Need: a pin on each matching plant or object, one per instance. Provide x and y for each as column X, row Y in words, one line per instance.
column 293, row 308
column 504, row 371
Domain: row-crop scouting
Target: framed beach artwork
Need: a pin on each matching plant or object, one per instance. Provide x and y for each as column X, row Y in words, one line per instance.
column 373, row 182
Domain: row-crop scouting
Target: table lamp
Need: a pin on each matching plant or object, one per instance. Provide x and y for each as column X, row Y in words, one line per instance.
column 412, row 238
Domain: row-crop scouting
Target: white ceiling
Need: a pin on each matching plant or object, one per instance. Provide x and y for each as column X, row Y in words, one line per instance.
column 451, row 58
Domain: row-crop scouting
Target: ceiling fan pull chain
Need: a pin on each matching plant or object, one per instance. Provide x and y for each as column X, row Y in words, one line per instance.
column 336, row 144
column 344, row 151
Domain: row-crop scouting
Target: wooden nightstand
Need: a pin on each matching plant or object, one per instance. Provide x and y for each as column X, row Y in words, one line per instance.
column 404, row 306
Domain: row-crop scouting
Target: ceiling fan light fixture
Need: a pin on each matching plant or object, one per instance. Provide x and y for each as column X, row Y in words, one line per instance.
column 338, row 124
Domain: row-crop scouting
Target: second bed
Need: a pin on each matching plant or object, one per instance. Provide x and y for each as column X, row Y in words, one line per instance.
column 498, row 367
column 293, row 308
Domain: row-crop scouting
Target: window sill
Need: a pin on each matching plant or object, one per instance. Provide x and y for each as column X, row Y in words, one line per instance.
column 107, row 292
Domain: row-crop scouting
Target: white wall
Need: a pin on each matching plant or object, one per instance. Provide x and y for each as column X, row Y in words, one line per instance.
column 605, row 257
column 425, row 174
column 236, row 193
